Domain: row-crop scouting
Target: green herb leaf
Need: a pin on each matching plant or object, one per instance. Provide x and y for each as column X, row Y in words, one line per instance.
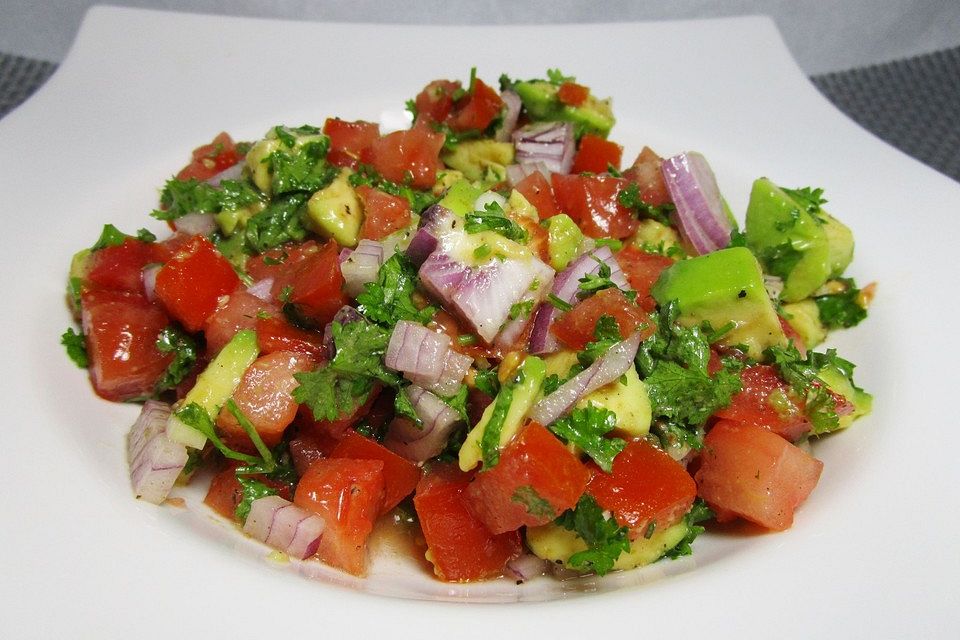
column 302, row 166
column 586, row 428
column 195, row 416
column 809, row 199
column 180, row 197
column 279, row 223
column 486, row 380
column 490, row 441
column 698, row 513
column 841, row 310
column 557, row 77
column 802, row 374
column 390, row 299
column 493, row 219
column 535, row 504
column 630, row 198
column 184, row 349
column 521, row 309
column 76, row 347
column 605, row 539
column 109, row 237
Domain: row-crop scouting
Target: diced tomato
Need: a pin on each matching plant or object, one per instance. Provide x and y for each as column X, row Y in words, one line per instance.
column 211, row 159
column 596, row 155
column 410, row 156
column 756, row 474
column 192, row 281
column 536, row 479
column 538, row 240
column 536, row 189
column 400, row 476
column 335, row 428
column 225, row 492
column 239, row 311
column 264, row 398
column 573, row 94
column 477, row 110
column 121, row 330
column 280, row 263
column 382, row 213
column 348, row 140
column 307, row 448
column 317, row 285
column 347, row 494
column 435, row 102
column 462, row 549
column 120, row 267
column 767, row 401
column 646, row 486
column 276, row 334
column 642, row 270
column 645, row 173
column 575, row 328
column 593, row 203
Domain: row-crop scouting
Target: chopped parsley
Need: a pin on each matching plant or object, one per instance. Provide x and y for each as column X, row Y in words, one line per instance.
column 557, row 77
column 390, row 298
column 184, row 349
column 605, row 539
column 809, row 199
column 586, row 428
column 535, row 504
column 193, row 415
column 521, row 309
column 279, row 471
column 698, row 513
column 486, row 380
column 180, row 197
column 606, row 333
column 630, row 198
column 493, row 219
column 559, row 303
column 802, row 374
column 301, row 166
column 279, row 223
column 841, row 310
column 76, row 347
column 113, row 237
column 402, row 406
column 490, row 441
column 591, row 283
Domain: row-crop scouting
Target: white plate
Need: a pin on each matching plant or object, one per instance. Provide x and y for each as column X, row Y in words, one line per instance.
column 875, row 550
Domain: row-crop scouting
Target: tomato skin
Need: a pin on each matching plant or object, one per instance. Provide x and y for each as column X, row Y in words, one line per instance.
column 400, row 476
column 192, row 281
column 225, row 492
column 435, row 102
column 752, row 404
column 210, row 159
column 573, row 94
column 461, row 547
column 538, row 240
column 276, row 334
column 264, row 398
column 596, row 155
column 406, row 156
column 575, row 328
column 645, row 173
column 642, row 270
column 537, row 463
column 382, row 213
column 754, row 473
column 307, row 448
column 348, row 140
column 121, row 330
column 477, row 110
column 120, row 267
column 347, row 494
column 536, row 189
column 317, row 284
column 239, row 311
column 592, row 202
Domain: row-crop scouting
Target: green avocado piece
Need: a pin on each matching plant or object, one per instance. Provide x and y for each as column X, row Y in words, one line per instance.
column 563, row 240
column 480, row 159
column 335, row 211
column 839, row 383
column 541, row 102
column 215, row 385
column 460, row 197
column 722, row 287
column 803, row 248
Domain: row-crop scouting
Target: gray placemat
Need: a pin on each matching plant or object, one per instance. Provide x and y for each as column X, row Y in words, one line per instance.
column 914, row 104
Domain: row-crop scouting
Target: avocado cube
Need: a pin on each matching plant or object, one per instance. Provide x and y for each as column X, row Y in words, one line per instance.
column 540, row 99
column 480, row 159
column 722, row 287
column 460, row 197
column 563, row 240
column 335, row 211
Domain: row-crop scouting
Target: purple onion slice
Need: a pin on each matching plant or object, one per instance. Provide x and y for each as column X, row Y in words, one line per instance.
column 155, row 460
column 284, row 526
column 416, row 350
column 424, row 442
column 551, row 143
column 693, row 189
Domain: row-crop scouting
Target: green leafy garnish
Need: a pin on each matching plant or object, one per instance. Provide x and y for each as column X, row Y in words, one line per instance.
column 809, row 199
column 605, row 539
column 698, row 513
column 557, row 77
column 184, row 349
column 521, row 309
column 802, row 374
column 390, row 298
column 493, row 219
column 404, row 408
column 76, row 347
column 280, row 471
column 586, row 428
column 301, row 166
column 180, row 197
column 591, row 283
column 535, row 504
column 279, row 223
column 113, row 237
column 193, row 415
column 559, row 303
column 606, row 333
column 486, row 380
column 630, row 198
column 490, row 442
column 841, row 310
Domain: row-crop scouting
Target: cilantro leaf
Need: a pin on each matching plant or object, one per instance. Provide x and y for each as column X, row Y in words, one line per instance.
column 180, row 197
column 605, row 539
column 698, row 513
column 184, row 350
column 76, row 347
column 389, row 299
column 606, row 333
column 280, row 471
column 586, row 428
column 109, row 237
column 251, row 490
column 802, row 374
column 490, row 441
column 403, row 407
column 193, row 415
column 302, row 165
column 809, row 199
column 688, row 395
column 630, row 198
column 277, row 224
column 486, row 380
column 557, row 77
column 535, row 504
column 493, row 219
column 841, row 310
column 521, row 309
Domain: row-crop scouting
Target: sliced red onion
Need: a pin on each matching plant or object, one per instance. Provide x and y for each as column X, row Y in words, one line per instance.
column 155, row 460
column 197, row 224
column 416, row 350
column 261, row 289
column 150, row 280
column 517, row 172
column 511, row 113
column 360, row 266
column 421, row 246
column 415, row 443
column 230, row 173
column 510, row 334
column 693, row 189
column 607, row 368
column 565, row 287
column 454, row 369
column 551, row 143
column 284, row 526
column 441, row 275
column 526, row 567
column 486, row 294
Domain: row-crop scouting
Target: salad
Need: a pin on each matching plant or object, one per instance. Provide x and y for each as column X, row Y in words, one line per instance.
column 481, row 326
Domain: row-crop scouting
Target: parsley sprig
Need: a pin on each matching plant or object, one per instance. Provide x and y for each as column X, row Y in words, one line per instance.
column 492, row 218
column 605, row 539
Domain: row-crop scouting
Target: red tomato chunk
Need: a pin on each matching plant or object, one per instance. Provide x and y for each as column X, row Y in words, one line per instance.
column 210, row 159
column 535, row 481
column 642, row 270
column 382, row 213
column 400, row 476
column 462, row 549
column 596, row 155
column 593, row 203
column 767, row 401
column 575, row 328
column 410, row 156
column 348, row 140
column 191, row 283
column 751, row 472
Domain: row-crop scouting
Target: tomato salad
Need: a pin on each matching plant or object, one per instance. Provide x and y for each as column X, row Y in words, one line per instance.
column 480, row 325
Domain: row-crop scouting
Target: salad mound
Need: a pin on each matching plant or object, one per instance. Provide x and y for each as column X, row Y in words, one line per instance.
column 480, row 326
